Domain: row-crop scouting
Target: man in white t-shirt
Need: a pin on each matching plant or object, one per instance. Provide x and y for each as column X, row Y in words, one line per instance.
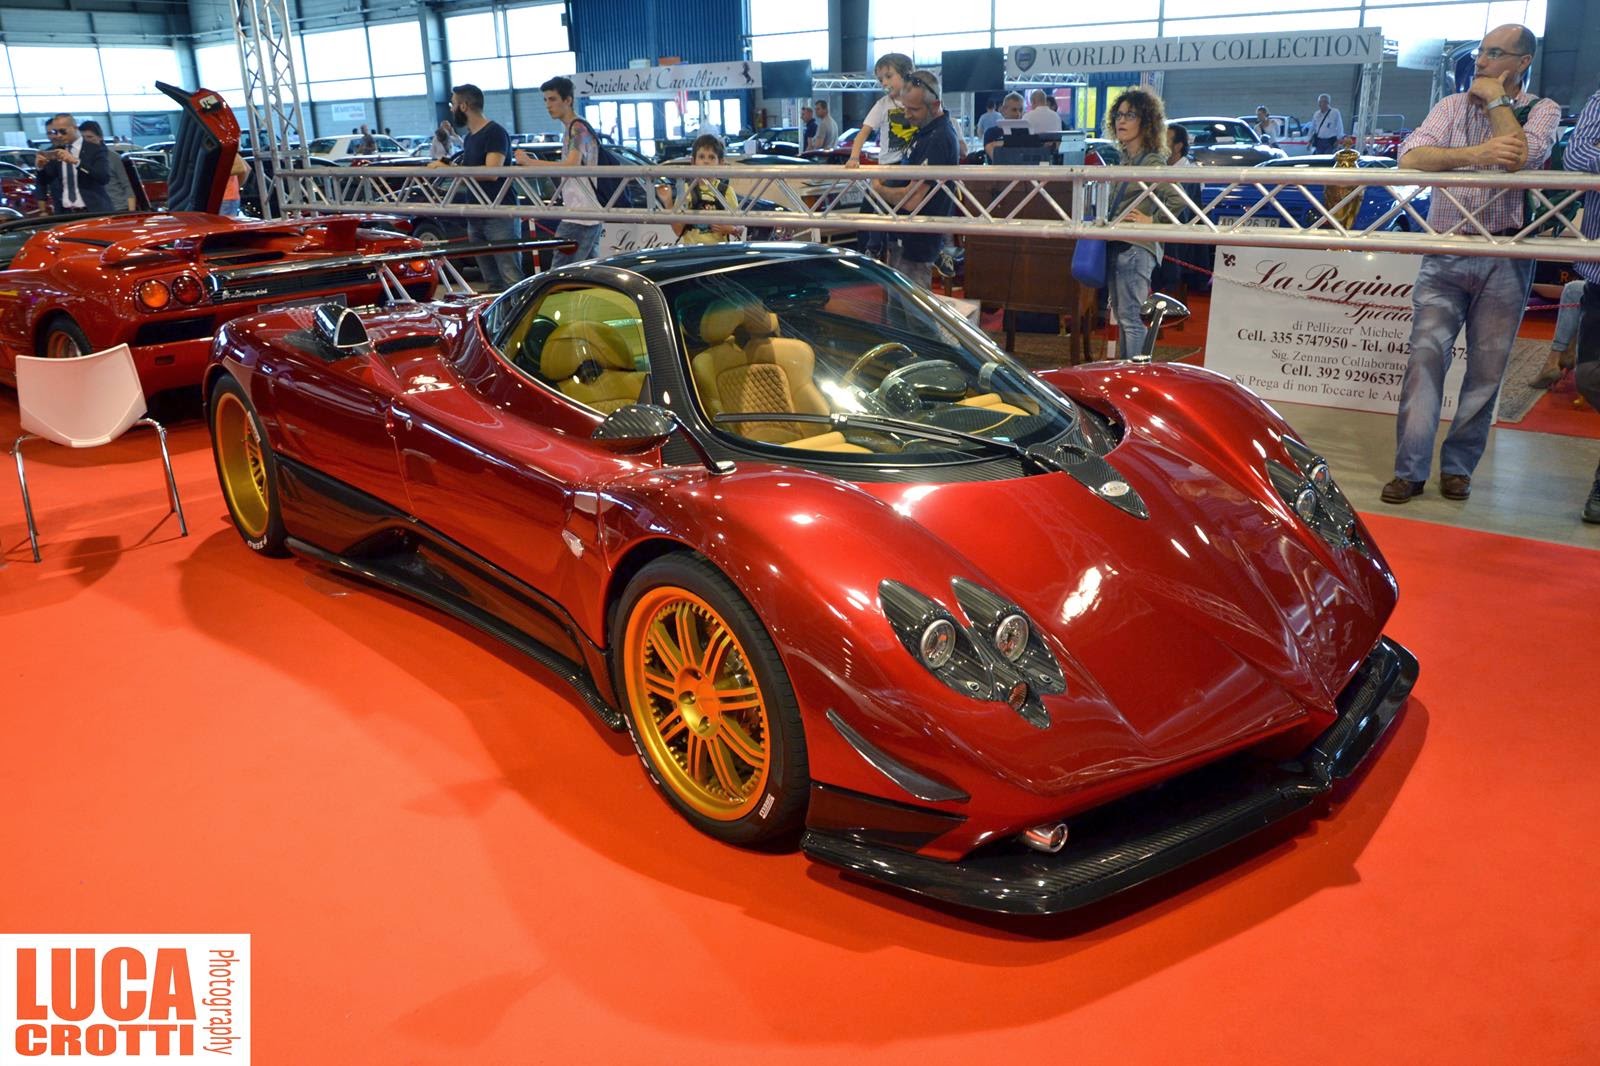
column 827, row 129
column 1041, row 117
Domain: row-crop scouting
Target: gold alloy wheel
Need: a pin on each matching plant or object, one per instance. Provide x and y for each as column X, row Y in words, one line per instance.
column 696, row 703
column 60, row 345
column 244, row 473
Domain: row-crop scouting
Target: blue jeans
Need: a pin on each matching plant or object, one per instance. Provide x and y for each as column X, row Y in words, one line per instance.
column 1488, row 295
column 499, row 272
column 1130, row 268
column 586, row 234
column 1567, row 317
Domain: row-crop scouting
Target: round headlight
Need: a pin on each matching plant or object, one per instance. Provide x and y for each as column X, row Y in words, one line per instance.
column 1305, row 503
column 938, row 643
column 1011, row 637
column 154, row 295
column 1321, row 477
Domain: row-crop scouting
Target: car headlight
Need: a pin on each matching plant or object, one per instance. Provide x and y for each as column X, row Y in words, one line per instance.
column 1310, row 491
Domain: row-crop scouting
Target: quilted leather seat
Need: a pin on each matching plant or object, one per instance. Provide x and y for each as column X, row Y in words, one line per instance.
column 589, row 362
column 748, row 367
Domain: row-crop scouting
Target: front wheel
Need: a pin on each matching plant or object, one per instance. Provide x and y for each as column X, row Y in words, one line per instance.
column 247, row 469
column 709, row 704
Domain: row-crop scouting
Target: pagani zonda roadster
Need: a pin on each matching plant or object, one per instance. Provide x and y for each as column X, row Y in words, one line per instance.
column 841, row 566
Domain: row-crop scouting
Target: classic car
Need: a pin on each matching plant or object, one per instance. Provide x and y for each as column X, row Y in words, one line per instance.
column 163, row 282
column 843, row 568
column 1226, row 142
column 347, row 147
column 1378, row 202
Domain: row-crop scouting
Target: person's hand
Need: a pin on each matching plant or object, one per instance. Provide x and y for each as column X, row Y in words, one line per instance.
column 664, row 194
column 1509, row 150
column 1484, row 88
column 437, row 163
column 725, row 229
column 853, row 162
column 1138, row 216
column 523, row 158
column 43, row 158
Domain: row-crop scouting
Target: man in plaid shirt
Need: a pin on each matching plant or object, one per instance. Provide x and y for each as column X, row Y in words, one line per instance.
column 1583, row 153
column 1482, row 129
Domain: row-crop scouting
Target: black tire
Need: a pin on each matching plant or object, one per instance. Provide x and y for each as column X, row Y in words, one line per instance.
column 246, row 468
column 61, row 334
column 731, row 701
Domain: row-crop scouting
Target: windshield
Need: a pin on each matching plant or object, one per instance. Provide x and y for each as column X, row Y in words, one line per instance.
column 846, row 338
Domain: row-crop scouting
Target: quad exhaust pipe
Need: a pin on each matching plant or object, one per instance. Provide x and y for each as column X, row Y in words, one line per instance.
column 1046, row 838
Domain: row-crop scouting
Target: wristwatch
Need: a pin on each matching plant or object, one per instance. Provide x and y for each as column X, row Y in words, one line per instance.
column 1501, row 101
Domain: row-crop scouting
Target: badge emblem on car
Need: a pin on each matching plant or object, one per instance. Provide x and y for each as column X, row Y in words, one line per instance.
column 1115, row 488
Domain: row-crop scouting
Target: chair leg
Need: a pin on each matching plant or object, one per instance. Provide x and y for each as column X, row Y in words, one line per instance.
column 166, row 461
column 27, row 505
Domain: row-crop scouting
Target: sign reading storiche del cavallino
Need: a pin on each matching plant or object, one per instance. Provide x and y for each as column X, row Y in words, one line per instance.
column 1326, row 328
column 668, row 81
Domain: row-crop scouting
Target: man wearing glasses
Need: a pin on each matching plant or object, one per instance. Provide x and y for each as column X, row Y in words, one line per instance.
column 1496, row 125
column 73, row 173
column 936, row 143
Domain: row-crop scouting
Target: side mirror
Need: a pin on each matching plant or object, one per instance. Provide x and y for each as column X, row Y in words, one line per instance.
column 639, row 427
column 340, row 328
column 636, row 427
column 1158, row 309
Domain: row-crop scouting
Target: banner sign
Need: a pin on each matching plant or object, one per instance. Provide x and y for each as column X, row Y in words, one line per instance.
column 1332, row 329
column 668, row 81
column 343, row 113
column 1290, row 48
column 152, row 125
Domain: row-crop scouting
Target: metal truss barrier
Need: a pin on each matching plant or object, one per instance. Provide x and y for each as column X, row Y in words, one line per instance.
column 1311, row 207
column 271, row 92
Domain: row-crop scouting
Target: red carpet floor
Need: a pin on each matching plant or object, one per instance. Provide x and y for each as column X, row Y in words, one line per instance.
column 441, row 860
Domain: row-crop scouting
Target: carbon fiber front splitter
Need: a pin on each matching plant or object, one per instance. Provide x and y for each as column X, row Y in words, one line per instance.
column 1153, row 831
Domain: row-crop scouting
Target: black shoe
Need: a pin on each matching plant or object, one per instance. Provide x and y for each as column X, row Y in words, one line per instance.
column 1400, row 490
column 1591, row 509
column 1455, row 486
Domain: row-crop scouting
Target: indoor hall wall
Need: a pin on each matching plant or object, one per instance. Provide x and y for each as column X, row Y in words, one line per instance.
column 606, row 34
column 26, row 26
column 1293, row 91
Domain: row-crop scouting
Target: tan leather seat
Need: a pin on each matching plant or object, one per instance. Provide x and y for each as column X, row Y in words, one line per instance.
column 589, row 362
column 749, row 368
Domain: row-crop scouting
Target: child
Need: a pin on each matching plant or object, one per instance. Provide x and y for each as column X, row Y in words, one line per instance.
column 704, row 194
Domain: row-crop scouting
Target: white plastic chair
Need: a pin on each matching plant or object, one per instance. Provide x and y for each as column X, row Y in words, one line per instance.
column 83, row 403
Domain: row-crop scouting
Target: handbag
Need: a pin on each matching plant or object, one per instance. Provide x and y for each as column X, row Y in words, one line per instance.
column 1089, row 262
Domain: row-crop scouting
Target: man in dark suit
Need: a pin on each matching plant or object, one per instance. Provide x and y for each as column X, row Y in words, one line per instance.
column 73, row 173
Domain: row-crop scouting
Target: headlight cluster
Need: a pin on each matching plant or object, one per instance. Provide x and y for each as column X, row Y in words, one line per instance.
column 1310, row 491
column 996, row 654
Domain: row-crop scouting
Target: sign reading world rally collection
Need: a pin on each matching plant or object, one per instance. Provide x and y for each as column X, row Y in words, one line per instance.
column 1199, row 53
column 669, row 80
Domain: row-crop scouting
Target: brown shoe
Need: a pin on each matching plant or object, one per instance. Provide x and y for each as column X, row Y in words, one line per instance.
column 1400, row 490
column 1455, row 486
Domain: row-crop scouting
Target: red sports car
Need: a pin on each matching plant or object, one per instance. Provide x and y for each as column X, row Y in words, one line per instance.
column 17, row 189
column 163, row 282
column 845, row 570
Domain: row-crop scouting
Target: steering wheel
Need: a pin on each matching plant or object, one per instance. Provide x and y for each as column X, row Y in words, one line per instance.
column 876, row 351
column 898, row 392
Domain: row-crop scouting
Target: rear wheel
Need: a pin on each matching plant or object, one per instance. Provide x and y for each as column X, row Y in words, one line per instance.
column 708, row 703
column 63, row 340
column 247, row 469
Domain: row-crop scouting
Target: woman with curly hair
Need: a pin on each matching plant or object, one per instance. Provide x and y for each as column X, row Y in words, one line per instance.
column 1139, row 123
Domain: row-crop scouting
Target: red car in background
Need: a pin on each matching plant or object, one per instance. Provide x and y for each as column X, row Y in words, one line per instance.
column 163, row 282
column 17, row 189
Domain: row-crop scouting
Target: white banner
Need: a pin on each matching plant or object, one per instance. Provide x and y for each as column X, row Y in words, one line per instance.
column 1331, row 329
column 668, row 81
column 343, row 113
column 1289, row 48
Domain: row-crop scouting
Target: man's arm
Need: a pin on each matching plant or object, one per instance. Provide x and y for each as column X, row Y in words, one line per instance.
column 1583, row 153
column 94, row 168
column 1506, row 146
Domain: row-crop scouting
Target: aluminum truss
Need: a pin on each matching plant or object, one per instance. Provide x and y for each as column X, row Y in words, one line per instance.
column 1000, row 200
column 271, row 92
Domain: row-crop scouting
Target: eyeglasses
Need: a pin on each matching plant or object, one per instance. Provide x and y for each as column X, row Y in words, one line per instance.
column 1117, row 116
column 1496, row 53
column 923, row 82
column 56, row 133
